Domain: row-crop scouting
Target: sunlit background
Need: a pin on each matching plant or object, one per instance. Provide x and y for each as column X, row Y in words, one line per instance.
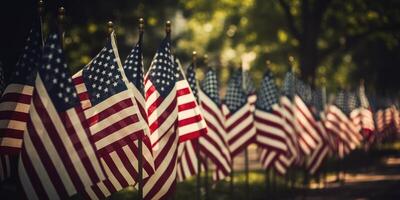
column 333, row 44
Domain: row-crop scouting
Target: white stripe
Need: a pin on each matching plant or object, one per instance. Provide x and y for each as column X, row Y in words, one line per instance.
column 26, row 182
column 18, row 88
column 14, row 106
column 37, row 165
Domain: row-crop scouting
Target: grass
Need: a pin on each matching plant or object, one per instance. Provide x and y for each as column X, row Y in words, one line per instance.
column 284, row 187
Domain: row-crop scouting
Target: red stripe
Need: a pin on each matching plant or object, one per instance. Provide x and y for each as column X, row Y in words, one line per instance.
column 79, row 147
column 162, row 117
column 56, row 141
column 16, row 97
column 115, row 108
column 186, row 106
column 129, row 138
column 211, row 111
column 238, row 122
column 114, row 170
column 78, row 80
column 46, row 160
column 167, row 148
column 193, row 135
column 32, row 176
column 189, row 120
column 115, row 127
column 182, row 92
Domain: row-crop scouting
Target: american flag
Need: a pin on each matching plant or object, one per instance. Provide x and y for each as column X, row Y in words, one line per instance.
column 323, row 148
column 162, row 111
column 306, row 126
column 58, row 158
column 339, row 124
column 362, row 116
column 190, row 121
column 239, row 120
column 284, row 161
column 133, row 68
column 214, row 145
column 271, row 136
column 16, row 99
column 113, row 118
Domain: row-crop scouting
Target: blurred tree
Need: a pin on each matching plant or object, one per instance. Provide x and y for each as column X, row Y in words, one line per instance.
column 333, row 41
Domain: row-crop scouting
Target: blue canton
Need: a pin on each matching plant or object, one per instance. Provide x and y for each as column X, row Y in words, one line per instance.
column 235, row 95
column 56, row 76
column 317, row 102
column 304, row 91
column 133, row 66
column 340, row 100
column 210, row 86
column 162, row 71
column 288, row 85
column 267, row 95
column 191, row 78
column 102, row 76
column 28, row 63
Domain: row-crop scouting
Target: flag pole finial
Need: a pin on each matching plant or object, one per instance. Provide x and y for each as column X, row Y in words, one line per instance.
column 61, row 20
column 291, row 63
column 41, row 7
column 141, row 25
column 168, row 27
column 268, row 63
column 194, row 58
column 61, row 15
column 110, row 27
column 205, row 59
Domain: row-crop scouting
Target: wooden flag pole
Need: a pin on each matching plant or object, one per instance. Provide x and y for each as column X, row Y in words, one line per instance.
column 61, row 20
column 231, row 185
column 246, row 170
column 140, row 142
column 206, row 187
column 198, row 177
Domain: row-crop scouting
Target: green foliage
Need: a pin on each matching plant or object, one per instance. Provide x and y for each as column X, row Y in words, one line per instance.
column 346, row 36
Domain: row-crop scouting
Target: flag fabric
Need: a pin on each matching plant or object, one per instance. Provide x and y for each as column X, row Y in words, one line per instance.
column 162, row 111
column 339, row 124
column 214, row 145
column 362, row 116
column 271, row 137
column 191, row 124
column 190, row 120
column 249, row 88
column 239, row 120
column 316, row 158
column 306, row 127
column 113, row 118
column 57, row 157
column 134, row 71
column 286, row 160
column 16, row 98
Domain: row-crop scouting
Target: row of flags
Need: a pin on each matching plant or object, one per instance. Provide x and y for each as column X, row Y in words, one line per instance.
column 84, row 134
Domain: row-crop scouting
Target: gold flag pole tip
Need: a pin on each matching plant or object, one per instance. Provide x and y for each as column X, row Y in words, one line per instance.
column 141, row 25
column 110, row 27
column 61, row 14
column 168, row 27
column 41, row 7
